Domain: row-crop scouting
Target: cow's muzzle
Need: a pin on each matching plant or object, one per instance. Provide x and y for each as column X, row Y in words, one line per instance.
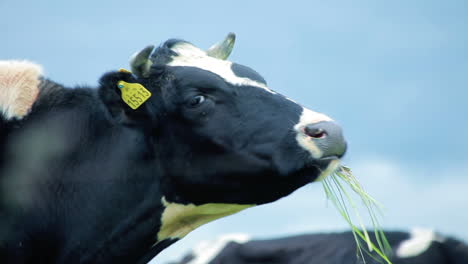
column 323, row 139
column 328, row 137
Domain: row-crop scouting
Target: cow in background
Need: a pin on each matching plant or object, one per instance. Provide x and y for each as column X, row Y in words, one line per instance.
column 116, row 173
column 416, row 247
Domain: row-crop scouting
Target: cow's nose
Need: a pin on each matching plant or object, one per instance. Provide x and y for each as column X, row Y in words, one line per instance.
column 328, row 137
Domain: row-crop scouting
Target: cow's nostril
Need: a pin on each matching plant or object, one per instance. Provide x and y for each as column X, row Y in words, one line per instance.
column 315, row 132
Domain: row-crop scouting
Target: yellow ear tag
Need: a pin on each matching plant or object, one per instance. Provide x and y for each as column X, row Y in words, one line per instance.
column 133, row 94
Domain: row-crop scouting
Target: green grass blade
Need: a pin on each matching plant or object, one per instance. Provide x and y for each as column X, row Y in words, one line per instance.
column 335, row 187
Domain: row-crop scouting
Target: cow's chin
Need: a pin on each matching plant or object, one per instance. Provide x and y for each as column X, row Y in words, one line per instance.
column 282, row 186
column 332, row 164
column 317, row 170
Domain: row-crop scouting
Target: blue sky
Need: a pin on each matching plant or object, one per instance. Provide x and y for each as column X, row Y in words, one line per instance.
column 394, row 74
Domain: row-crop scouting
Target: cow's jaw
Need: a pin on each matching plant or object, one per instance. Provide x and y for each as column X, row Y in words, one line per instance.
column 177, row 220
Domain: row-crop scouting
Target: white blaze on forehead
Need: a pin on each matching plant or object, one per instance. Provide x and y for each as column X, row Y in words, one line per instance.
column 189, row 55
column 206, row 251
column 178, row 220
column 420, row 240
column 309, row 117
column 19, row 87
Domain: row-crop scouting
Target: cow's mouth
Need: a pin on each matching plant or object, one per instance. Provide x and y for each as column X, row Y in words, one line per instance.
column 333, row 163
column 320, row 169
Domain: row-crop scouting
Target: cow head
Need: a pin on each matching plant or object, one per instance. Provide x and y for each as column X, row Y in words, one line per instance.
column 222, row 138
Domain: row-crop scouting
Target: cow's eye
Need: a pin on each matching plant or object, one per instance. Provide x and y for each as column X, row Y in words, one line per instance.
column 196, row 100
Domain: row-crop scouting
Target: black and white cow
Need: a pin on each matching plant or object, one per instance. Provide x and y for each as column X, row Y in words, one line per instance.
column 103, row 176
column 420, row 246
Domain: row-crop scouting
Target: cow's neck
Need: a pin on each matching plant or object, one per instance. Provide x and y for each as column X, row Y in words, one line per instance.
column 125, row 205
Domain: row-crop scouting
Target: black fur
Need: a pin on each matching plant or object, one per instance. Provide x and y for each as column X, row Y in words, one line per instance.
column 244, row 71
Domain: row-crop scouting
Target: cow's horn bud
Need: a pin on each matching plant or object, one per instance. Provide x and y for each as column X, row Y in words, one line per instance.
column 140, row 62
column 222, row 49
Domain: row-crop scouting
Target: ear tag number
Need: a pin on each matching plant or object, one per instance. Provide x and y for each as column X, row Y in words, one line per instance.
column 133, row 94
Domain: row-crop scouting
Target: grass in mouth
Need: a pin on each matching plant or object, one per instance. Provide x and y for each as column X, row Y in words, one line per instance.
column 337, row 192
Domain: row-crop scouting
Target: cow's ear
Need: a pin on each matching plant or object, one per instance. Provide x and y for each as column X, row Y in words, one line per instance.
column 125, row 98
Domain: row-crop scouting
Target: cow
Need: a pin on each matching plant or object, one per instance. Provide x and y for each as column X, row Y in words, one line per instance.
column 118, row 172
column 419, row 246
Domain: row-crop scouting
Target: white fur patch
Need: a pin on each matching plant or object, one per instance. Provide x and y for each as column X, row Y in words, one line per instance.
column 19, row 87
column 420, row 240
column 178, row 220
column 309, row 117
column 207, row 250
column 189, row 55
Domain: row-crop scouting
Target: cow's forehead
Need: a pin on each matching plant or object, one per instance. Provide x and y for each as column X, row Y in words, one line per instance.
column 186, row 54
